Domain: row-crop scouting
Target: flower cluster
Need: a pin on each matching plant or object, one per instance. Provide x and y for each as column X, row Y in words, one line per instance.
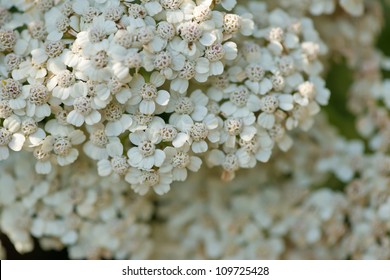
column 78, row 210
column 151, row 89
column 110, row 102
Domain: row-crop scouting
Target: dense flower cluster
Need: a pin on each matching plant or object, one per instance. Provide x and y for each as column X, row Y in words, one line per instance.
column 110, row 102
column 74, row 209
column 149, row 90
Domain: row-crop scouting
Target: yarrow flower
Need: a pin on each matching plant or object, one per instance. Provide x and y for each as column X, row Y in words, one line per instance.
column 116, row 101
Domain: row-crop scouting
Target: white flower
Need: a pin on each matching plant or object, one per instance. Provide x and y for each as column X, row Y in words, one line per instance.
column 96, row 65
column 173, row 11
column 279, row 135
column 62, row 146
column 217, row 52
column 230, row 162
column 83, row 111
column 117, row 121
column 11, row 90
column 29, row 127
column 146, row 155
column 226, row 4
column 96, row 35
column 194, row 106
column 241, row 102
column 15, row 222
column 9, row 139
column 178, row 161
column 269, row 105
column 63, row 83
column 167, row 63
column 168, row 133
column 96, row 146
column 125, row 61
column 146, row 95
column 318, row 7
column 117, row 163
column 242, row 127
column 37, row 97
column 30, row 71
column 200, row 131
column 259, row 147
column 142, row 180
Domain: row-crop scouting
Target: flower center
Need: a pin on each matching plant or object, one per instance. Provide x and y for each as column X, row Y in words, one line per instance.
column 239, row 97
column 254, row 72
column 83, row 105
column 231, row 23
column 181, row 160
column 10, row 89
column 5, row 109
column 233, row 126
column 119, row 165
column 39, row 94
column 99, row 138
column 184, row 106
column 113, row 112
column 191, row 32
column 168, row 133
column 40, row 155
column 198, row 131
column 230, row 163
column 269, row 104
column 62, row 146
column 166, row 30
column 171, row 4
column 66, row 79
column 5, row 136
column 150, row 178
column 54, row 49
column 29, row 126
column 147, row 148
column 215, row 52
column 162, row 60
column 148, row 91
column 100, row 59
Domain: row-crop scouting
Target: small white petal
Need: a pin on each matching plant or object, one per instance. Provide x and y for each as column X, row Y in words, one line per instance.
column 162, row 97
column 104, row 167
column 17, row 142
column 159, row 158
column 93, row 118
column 43, row 167
column 180, row 140
column 4, row 152
column 199, row 147
column 147, row 107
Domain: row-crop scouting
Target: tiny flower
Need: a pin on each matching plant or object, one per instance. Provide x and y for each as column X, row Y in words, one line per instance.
column 96, row 146
column 62, row 146
column 147, row 95
column 117, row 164
column 241, row 102
column 242, row 127
column 194, row 106
column 9, row 140
column 178, row 160
column 146, row 155
column 200, row 131
column 142, row 180
column 83, row 110
column 269, row 105
column 37, row 97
